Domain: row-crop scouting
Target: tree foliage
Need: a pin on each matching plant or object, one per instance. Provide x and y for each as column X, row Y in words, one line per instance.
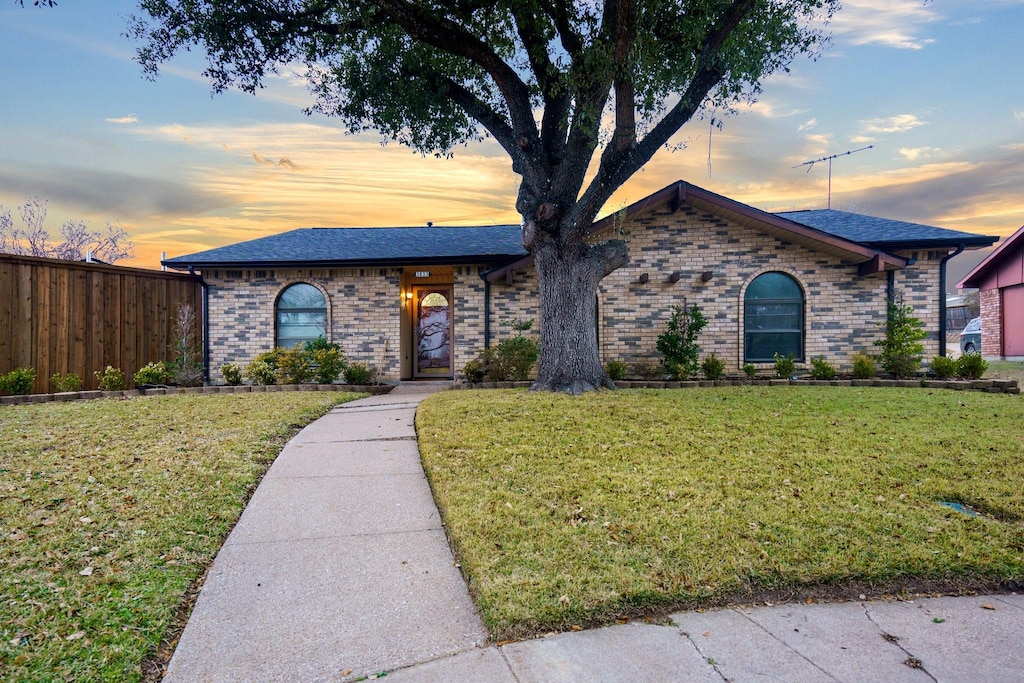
column 557, row 84
column 32, row 238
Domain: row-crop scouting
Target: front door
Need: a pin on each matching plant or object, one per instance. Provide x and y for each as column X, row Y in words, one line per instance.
column 433, row 330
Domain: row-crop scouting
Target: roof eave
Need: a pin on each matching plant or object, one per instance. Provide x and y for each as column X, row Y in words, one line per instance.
column 339, row 263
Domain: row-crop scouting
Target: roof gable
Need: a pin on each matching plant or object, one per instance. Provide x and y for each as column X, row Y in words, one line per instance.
column 1012, row 247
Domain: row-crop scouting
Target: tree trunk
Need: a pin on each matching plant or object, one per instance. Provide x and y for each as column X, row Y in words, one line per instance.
column 568, row 275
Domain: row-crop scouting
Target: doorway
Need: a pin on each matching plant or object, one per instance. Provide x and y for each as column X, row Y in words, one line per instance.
column 432, row 332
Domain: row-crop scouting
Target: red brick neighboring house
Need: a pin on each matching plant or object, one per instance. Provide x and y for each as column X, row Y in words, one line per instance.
column 1000, row 279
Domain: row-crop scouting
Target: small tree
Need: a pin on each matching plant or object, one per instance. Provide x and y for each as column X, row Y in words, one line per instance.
column 902, row 351
column 187, row 365
column 678, row 343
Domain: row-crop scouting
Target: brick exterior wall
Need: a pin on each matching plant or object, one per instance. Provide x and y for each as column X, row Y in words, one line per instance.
column 844, row 313
column 363, row 313
column 991, row 301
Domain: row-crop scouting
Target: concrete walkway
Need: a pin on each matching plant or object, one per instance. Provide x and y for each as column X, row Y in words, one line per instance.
column 339, row 569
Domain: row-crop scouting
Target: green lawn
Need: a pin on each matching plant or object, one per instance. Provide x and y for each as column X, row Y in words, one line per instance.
column 578, row 511
column 111, row 509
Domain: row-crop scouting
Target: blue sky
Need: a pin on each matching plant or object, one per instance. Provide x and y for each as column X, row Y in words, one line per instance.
column 937, row 88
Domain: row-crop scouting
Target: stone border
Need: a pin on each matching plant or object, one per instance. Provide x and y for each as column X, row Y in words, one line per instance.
column 992, row 386
column 375, row 389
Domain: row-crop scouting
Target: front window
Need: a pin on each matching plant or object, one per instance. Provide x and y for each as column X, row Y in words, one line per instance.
column 773, row 318
column 301, row 315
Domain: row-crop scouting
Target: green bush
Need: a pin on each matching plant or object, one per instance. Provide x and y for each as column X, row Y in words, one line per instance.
column 863, row 366
column 293, row 366
column 785, row 366
column 713, row 367
column 18, row 381
column 616, row 370
column 260, row 371
column 329, row 362
column 473, row 370
column 678, row 343
column 232, row 374
column 822, row 369
column 646, row 370
column 111, row 379
column 512, row 359
column 750, row 370
column 153, row 373
column 63, row 383
column 971, row 366
column 902, row 351
column 944, row 367
column 359, row 373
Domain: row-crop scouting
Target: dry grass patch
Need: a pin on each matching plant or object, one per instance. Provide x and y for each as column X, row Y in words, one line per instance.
column 577, row 511
column 111, row 509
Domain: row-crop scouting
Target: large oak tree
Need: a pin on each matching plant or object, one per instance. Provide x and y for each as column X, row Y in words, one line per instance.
column 557, row 84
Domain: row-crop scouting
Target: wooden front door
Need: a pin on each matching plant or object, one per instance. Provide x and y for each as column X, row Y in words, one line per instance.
column 432, row 318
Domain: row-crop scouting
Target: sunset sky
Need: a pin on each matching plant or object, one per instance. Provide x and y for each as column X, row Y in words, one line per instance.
column 937, row 88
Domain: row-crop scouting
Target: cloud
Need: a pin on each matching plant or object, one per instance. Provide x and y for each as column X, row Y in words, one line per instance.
column 281, row 162
column 897, row 24
column 807, row 126
column 1019, row 115
column 914, row 153
column 892, row 124
column 131, row 118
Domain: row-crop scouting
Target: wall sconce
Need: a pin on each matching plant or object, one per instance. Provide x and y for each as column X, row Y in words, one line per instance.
column 674, row 277
column 644, row 278
column 408, row 295
column 706, row 276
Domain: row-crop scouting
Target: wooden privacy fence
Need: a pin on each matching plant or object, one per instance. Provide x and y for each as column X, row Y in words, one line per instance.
column 66, row 316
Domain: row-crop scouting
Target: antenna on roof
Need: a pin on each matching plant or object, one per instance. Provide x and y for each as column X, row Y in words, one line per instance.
column 810, row 165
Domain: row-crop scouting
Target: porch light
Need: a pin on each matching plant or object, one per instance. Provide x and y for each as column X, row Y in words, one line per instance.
column 408, row 295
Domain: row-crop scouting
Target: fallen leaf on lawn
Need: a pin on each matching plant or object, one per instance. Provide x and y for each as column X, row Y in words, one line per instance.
column 19, row 638
column 75, row 636
column 564, row 599
column 577, row 627
column 85, row 520
column 985, row 605
column 86, row 572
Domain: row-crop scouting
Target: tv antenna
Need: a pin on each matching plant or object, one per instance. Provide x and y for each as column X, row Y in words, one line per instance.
column 810, row 165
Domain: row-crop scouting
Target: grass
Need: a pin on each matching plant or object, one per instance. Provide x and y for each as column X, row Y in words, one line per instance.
column 579, row 511
column 110, row 510
column 1003, row 369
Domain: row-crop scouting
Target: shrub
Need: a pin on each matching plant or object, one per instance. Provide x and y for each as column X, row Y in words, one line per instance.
column 328, row 362
column 153, row 373
column 750, row 370
column 293, row 366
column 18, row 381
column 678, row 343
column 186, row 367
column 511, row 359
column 902, row 351
column 785, row 366
column 646, row 370
column 63, row 383
column 822, row 369
column 260, row 371
column 944, row 367
column 359, row 373
column 111, row 379
column 713, row 367
column 971, row 366
column 616, row 370
column 232, row 374
column 863, row 366
column 473, row 371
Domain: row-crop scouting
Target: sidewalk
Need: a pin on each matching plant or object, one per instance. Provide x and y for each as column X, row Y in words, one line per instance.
column 339, row 569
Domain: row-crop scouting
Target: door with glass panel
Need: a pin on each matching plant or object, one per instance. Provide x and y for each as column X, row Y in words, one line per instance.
column 433, row 329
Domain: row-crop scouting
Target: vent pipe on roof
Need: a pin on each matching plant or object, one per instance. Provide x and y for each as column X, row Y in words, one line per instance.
column 430, row 224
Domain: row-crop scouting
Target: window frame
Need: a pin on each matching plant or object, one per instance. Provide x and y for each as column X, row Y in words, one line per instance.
column 324, row 311
column 800, row 330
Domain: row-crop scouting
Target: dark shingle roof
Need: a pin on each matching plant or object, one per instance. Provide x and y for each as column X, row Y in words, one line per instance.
column 883, row 233
column 352, row 246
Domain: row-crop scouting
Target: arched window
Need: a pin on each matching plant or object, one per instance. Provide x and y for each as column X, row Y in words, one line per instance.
column 773, row 318
column 301, row 313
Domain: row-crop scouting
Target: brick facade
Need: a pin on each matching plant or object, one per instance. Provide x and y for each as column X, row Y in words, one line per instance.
column 844, row 313
column 991, row 301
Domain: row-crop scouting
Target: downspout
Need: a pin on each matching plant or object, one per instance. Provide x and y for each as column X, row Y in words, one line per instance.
column 487, row 311
column 206, row 322
column 942, row 298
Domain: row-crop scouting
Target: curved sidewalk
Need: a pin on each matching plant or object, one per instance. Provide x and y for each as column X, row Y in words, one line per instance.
column 339, row 569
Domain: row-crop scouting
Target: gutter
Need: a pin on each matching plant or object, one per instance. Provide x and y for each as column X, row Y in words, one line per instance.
column 942, row 297
column 206, row 322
